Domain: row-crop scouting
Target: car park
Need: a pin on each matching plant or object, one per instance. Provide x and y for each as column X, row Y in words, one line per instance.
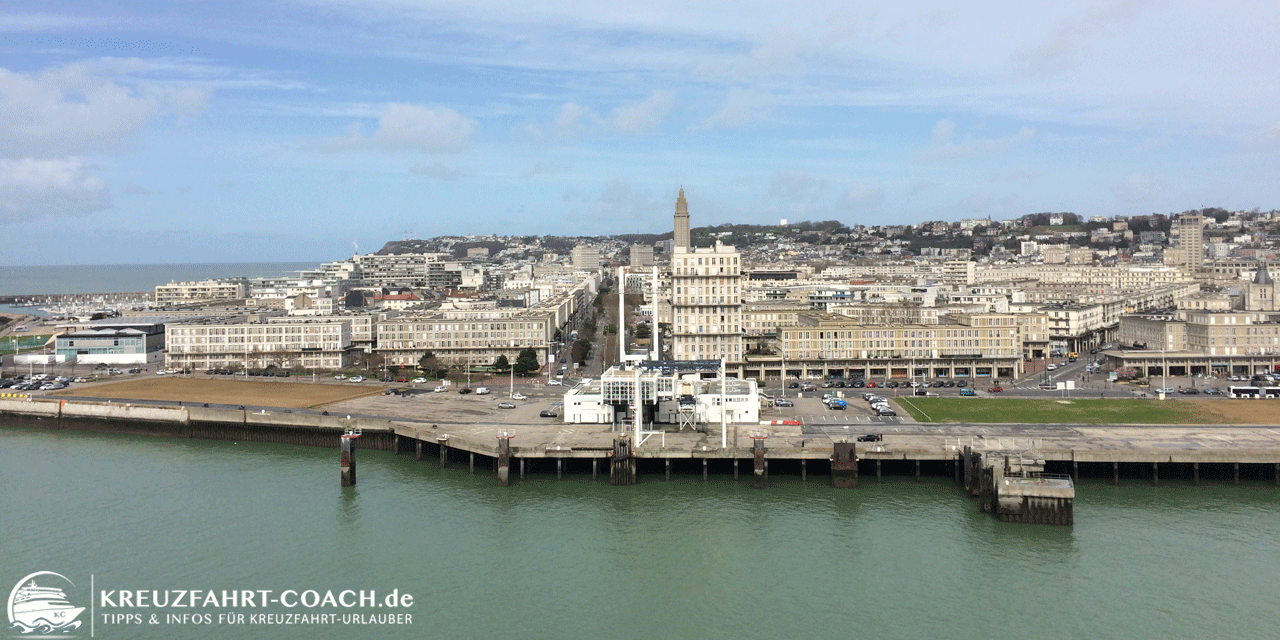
column 871, row 437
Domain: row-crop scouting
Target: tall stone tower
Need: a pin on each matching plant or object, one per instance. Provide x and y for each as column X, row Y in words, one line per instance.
column 682, row 223
column 1261, row 292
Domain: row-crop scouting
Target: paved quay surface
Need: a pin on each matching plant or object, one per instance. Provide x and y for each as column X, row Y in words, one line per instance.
column 474, row 423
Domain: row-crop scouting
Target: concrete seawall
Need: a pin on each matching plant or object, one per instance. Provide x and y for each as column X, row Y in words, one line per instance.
column 210, row 423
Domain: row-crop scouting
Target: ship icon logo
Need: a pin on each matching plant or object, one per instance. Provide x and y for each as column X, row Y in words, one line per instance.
column 42, row 609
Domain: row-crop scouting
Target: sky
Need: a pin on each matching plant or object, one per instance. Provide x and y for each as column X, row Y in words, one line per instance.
column 180, row 131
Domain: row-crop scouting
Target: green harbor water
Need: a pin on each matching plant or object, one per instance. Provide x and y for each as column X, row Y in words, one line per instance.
column 579, row 559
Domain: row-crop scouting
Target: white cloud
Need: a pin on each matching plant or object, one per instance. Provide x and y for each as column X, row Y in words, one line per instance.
column 426, row 128
column 643, row 116
column 741, row 108
column 943, row 130
column 974, row 146
column 70, row 110
column 572, row 119
column 862, row 196
column 437, row 171
column 408, row 126
column 38, row 188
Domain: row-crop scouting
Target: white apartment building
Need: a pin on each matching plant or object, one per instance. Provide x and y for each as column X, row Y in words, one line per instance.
column 203, row 291
column 706, row 303
column 258, row 342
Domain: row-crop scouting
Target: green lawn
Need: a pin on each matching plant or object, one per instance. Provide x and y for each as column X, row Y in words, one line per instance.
column 1055, row 410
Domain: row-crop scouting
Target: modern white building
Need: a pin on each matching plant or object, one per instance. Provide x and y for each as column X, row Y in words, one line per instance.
column 685, row 394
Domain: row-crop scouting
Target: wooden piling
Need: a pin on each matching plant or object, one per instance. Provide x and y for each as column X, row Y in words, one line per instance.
column 1195, row 473
column 667, row 462
column 804, row 469
column 417, row 449
column 735, row 468
column 1115, row 473
column 760, row 468
column 594, row 463
column 559, row 468
column 704, row 469
column 917, row 471
column 877, row 471
column 444, row 451
column 1237, row 474
column 472, row 462
column 1155, row 473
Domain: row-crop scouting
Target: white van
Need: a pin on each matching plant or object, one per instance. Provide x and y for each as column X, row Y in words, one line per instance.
column 480, row 391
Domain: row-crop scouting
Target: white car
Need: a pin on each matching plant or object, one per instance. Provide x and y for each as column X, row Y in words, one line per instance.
column 554, row 383
column 419, row 380
column 519, row 396
column 1051, row 367
column 439, row 389
column 356, row 379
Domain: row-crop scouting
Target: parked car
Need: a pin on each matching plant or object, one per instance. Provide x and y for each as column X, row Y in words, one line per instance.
column 794, row 385
column 482, row 391
column 440, row 389
column 1166, row 390
column 506, row 405
column 548, row 413
column 554, row 383
column 419, row 380
column 1189, row 391
column 464, row 391
column 995, row 389
column 783, row 402
column 968, row 392
column 871, row 385
column 892, row 384
column 871, row 437
column 519, row 396
column 837, row 404
column 356, row 379
column 1213, row 391
column 886, row 412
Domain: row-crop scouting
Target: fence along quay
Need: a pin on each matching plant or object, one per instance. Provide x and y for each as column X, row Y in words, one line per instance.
column 1017, row 479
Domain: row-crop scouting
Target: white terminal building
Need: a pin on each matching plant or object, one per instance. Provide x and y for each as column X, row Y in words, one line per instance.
column 683, row 393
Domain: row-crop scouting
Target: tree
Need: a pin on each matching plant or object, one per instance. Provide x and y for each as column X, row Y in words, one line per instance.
column 501, row 364
column 527, row 361
column 642, row 331
column 431, row 365
column 581, row 351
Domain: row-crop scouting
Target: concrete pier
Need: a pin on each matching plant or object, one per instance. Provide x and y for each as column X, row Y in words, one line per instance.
column 347, row 460
column 844, row 465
